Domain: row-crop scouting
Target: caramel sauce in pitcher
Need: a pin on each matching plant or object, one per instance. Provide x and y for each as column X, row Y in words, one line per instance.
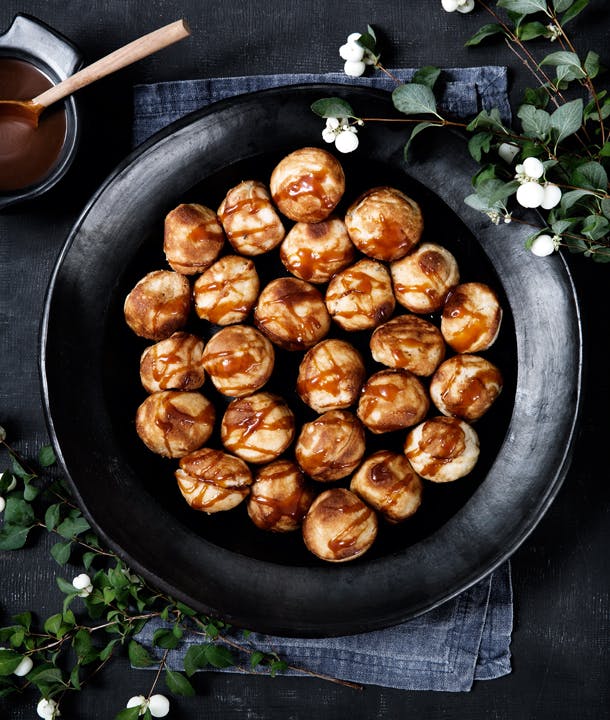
column 27, row 153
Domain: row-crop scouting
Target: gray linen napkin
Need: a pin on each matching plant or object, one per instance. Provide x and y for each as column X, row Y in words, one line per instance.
column 466, row 638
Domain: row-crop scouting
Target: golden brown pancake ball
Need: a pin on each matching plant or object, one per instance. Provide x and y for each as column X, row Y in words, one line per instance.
column 338, row 526
column 316, row 251
column 465, row 386
column 193, row 238
column 239, row 360
column 280, row 497
column 330, row 375
column 471, row 318
column 384, row 223
column 213, row 481
column 158, row 305
column 392, row 400
column 408, row 342
column 250, row 220
column 292, row 314
column 423, row 278
column 360, row 297
column 331, row 446
column 387, row 482
column 174, row 423
column 173, row 364
column 442, row 449
column 226, row 292
column 258, row 428
column 307, row 184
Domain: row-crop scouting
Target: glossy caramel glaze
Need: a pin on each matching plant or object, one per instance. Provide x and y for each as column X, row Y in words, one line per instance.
column 392, row 400
column 471, row 318
column 193, row 238
column 158, row 305
column 227, row 291
column 173, row 364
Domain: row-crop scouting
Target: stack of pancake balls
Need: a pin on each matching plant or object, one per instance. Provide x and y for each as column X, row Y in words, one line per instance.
column 365, row 272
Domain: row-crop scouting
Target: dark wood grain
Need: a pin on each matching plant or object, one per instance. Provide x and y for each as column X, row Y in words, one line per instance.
column 561, row 583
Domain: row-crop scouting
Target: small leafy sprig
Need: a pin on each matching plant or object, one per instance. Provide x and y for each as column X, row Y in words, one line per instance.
column 562, row 147
column 105, row 607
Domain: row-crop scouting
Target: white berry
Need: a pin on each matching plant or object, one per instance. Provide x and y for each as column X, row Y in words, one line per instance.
column 354, row 37
column 449, row 5
column 136, row 701
column 346, row 141
column 543, row 245
column 2, row 504
column 47, row 709
column 158, row 705
column 24, row 666
column 552, row 196
column 354, row 68
column 351, row 51
column 465, row 6
column 533, row 168
column 81, row 581
column 508, row 151
column 530, row 194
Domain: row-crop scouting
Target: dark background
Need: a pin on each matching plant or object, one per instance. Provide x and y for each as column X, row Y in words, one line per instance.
column 560, row 641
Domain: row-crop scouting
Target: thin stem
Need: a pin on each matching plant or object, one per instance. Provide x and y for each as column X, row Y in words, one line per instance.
column 162, row 664
column 392, row 77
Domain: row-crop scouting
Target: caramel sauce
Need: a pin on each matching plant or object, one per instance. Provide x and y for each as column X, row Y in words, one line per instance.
column 311, row 183
column 27, row 153
column 345, row 542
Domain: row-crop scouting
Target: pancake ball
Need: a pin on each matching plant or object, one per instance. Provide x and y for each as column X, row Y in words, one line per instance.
column 158, row 305
column 471, row 318
column 442, row 449
column 250, row 220
column 387, row 483
column 173, row 364
column 292, row 314
column 392, row 400
column 423, row 278
column 361, row 297
column 174, row 423
column 338, row 526
column 193, row 238
column 331, row 446
column 213, row 481
column 280, row 497
column 316, row 251
column 226, row 292
column 239, row 360
column 384, row 223
column 330, row 375
column 307, row 184
column 408, row 342
column 257, row 428
column 465, row 386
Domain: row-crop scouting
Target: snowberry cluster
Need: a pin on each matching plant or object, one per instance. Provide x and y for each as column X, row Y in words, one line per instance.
column 356, row 56
column 531, row 193
column 157, row 705
column 83, row 584
column 12, row 486
column 340, row 132
column 463, row 6
column 48, row 709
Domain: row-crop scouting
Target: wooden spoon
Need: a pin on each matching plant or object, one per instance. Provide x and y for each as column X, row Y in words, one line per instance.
column 142, row 47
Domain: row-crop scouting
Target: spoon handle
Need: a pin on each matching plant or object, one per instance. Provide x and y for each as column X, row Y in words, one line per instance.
column 136, row 50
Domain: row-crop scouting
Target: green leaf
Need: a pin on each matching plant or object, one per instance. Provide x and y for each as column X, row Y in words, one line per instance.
column 30, row 492
column 9, row 659
column 570, row 198
column 65, row 586
column 61, row 552
column 605, row 151
column 569, row 59
column 165, row 638
column 573, row 11
column 538, row 97
column 138, row 656
column 567, row 119
column 535, row 122
column 479, row 143
column 6, row 478
column 52, row 516
column 73, row 526
column 194, row 659
column 561, row 5
column 219, row 656
column 84, row 648
column 106, row 652
column 186, row 610
column 277, row 666
column 45, row 675
column 427, row 76
column 128, row 714
column 414, row 133
column 605, row 207
column 412, row 99
column 24, row 619
column 590, row 175
column 532, row 30
column 487, row 121
column 46, row 456
column 560, row 226
column 256, row 658
column 178, row 684
column 483, row 32
column 368, row 40
column 19, row 471
column 19, row 512
column 88, row 558
column 332, row 107
column 591, row 64
column 595, row 227
column 13, row 537
column 53, row 624
column 524, row 7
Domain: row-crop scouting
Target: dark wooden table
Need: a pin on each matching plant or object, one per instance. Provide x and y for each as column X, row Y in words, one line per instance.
column 560, row 642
